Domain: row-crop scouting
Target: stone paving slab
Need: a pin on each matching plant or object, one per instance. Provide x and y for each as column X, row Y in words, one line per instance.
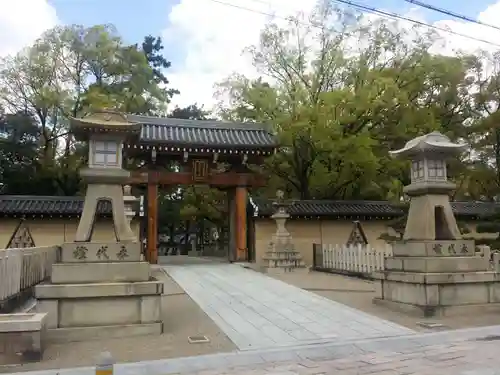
column 256, row 311
column 463, row 352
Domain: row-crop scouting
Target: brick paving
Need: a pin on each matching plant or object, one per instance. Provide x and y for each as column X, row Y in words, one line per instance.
column 256, row 311
column 462, row 352
column 457, row 359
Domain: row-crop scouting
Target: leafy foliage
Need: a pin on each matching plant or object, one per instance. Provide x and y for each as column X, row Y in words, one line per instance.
column 338, row 91
column 337, row 112
column 68, row 72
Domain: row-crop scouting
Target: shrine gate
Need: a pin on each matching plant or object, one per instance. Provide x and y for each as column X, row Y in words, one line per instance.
column 189, row 152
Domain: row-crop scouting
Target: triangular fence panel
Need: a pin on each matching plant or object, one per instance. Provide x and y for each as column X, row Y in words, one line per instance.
column 21, row 238
column 357, row 236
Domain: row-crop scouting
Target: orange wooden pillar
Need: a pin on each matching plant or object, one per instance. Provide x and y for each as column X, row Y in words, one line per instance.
column 241, row 223
column 152, row 240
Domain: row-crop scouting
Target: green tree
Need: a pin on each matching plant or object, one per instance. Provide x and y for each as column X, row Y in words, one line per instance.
column 71, row 70
column 191, row 112
column 21, row 170
column 152, row 48
column 337, row 111
column 483, row 178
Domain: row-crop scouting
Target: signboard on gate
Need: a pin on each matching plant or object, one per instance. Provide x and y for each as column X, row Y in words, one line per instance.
column 200, row 170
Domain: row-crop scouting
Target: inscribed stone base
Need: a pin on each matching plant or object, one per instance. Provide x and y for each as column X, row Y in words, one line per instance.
column 87, row 252
column 95, row 333
column 433, row 248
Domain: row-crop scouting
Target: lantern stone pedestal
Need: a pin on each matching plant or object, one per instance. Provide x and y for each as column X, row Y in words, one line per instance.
column 433, row 270
column 102, row 289
column 281, row 256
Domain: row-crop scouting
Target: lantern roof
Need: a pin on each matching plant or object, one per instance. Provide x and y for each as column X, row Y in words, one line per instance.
column 102, row 122
column 434, row 142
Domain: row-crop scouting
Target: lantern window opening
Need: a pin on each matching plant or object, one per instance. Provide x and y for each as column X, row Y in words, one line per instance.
column 436, row 169
column 417, row 169
column 105, row 153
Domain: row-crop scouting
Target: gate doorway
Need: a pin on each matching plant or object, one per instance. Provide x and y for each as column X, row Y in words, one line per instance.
column 198, row 239
column 220, row 155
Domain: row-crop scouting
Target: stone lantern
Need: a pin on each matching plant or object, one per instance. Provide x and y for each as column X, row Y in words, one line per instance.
column 281, row 214
column 130, row 203
column 282, row 256
column 430, row 216
column 102, row 288
column 433, row 271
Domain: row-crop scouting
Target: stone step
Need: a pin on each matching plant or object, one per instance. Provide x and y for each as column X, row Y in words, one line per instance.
column 79, row 273
column 104, row 304
column 68, row 291
column 437, row 264
column 70, row 334
column 437, row 277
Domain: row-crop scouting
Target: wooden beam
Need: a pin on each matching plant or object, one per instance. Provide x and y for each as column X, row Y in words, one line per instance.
column 185, row 178
column 152, row 225
column 241, row 224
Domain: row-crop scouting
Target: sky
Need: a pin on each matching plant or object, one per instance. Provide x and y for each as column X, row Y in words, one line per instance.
column 204, row 39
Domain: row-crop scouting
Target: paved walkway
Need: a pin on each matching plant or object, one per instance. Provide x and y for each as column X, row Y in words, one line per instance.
column 256, row 311
column 462, row 352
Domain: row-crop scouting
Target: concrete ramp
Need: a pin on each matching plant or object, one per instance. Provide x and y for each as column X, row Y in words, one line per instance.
column 256, row 311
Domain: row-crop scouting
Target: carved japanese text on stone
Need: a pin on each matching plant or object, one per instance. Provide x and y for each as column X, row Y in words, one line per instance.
column 102, row 253
column 80, row 252
column 122, row 254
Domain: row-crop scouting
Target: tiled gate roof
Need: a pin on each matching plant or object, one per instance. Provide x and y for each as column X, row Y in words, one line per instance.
column 197, row 133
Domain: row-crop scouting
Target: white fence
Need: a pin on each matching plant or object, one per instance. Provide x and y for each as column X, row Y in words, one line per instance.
column 24, row 268
column 355, row 258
